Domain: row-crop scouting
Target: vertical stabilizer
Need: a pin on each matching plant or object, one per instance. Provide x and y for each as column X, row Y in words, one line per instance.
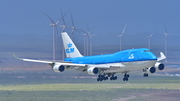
column 70, row 48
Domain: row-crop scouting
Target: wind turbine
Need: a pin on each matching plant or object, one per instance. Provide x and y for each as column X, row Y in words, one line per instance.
column 90, row 39
column 85, row 45
column 87, row 41
column 54, row 35
column 120, row 37
column 149, row 40
column 72, row 27
column 165, row 41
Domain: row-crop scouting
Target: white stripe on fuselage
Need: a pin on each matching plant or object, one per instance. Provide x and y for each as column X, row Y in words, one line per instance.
column 131, row 66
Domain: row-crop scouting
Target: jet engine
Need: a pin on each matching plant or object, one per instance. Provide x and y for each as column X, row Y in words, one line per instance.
column 151, row 69
column 93, row 70
column 59, row 68
column 159, row 66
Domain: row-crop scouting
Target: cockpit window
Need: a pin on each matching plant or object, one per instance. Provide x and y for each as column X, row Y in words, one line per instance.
column 146, row 50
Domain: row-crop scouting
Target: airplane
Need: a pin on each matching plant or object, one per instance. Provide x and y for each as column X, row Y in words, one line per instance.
column 105, row 66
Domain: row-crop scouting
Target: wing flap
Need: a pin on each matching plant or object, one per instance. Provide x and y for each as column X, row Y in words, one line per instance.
column 107, row 66
column 71, row 64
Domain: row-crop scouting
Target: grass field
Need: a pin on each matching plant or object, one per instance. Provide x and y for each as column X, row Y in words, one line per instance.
column 38, row 88
column 89, row 92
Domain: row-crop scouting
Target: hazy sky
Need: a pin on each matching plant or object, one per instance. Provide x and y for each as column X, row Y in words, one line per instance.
column 24, row 17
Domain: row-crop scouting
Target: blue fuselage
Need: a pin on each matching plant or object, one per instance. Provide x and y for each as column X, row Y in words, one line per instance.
column 131, row 55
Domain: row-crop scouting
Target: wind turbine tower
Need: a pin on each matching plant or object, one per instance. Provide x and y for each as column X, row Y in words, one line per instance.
column 90, row 43
column 149, row 40
column 165, row 41
column 63, row 28
column 87, row 42
column 165, row 44
column 120, row 37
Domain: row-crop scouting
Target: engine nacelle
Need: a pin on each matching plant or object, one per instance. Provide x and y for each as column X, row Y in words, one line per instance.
column 93, row 70
column 159, row 66
column 151, row 70
column 59, row 68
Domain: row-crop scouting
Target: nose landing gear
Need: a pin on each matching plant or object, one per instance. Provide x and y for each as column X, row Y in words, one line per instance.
column 145, row 75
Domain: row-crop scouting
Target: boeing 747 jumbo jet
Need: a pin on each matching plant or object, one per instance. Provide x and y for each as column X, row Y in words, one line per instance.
column 106, row 66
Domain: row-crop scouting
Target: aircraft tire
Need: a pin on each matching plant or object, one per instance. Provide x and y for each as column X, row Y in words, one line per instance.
column 115, row 78
column 145, row 74
column 125, row 79
column 98, row 79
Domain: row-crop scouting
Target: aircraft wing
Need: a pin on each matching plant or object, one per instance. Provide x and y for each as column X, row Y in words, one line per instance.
column 48, row 61
column 69, row 64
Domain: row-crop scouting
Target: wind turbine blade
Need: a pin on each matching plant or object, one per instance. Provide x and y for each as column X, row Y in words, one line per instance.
column 71, row 18
column 88, row 27
column 151, row 35
column 123, row 30
column 62, row 16
column 165, row 27
column 82, row 31
column 93, row 28
column 60, row 19
column 145, row 34
column 90, row 30
column 49, row 18
column 57, row 22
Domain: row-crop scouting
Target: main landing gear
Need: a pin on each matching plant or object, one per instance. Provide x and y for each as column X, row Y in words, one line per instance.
column 111, row 76
column 126, row 76
column 105, row 76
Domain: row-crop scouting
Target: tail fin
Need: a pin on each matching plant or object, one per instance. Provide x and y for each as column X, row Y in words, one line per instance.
column 70, row 49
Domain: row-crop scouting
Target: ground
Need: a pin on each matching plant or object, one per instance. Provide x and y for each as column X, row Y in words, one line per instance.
column 75, row 86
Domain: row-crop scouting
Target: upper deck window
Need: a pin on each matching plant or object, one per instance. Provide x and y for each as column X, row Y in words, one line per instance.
column 146, row 50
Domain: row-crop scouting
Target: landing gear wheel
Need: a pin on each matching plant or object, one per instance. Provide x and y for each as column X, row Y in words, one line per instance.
column 115, row 78
column 126, row 76
column 145, row 74
column 98, row 79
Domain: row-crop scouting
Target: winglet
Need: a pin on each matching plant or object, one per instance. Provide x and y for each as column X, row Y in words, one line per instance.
column 31, row 60
column 15, row 56
column 162, row 56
